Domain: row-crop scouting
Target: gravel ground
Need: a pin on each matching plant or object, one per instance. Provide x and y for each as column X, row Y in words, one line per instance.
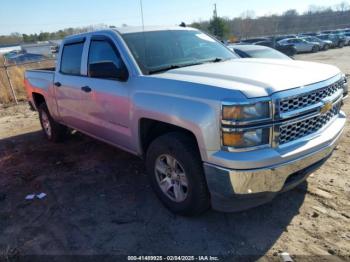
column 99, row 202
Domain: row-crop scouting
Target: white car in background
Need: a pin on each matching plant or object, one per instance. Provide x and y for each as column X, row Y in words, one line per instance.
column 257, row 51
column 325, row 44
column 301, row 45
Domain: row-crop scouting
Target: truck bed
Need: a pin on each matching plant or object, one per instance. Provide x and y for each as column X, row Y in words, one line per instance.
column 39, row 81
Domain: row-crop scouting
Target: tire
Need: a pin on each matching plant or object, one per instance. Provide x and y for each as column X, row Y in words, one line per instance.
column 315, row 49
column 53, row 131
column 341, row 45
column 194, row 198
column 326, row 47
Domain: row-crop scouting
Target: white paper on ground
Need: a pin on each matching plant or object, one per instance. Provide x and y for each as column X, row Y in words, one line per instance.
column 41, row 195
column 30, row 197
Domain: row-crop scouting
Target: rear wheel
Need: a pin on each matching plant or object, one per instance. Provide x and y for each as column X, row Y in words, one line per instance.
column 315, row 49
column 176, row 173
column 53, row 131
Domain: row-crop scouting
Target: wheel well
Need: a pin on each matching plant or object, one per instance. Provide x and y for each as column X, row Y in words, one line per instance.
column 151, row 129
column 38, row 99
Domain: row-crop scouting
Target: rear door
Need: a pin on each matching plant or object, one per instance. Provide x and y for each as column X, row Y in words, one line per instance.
column 106, row 104
column 67, row 83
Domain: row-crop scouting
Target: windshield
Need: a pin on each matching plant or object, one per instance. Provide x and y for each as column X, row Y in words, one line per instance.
column 158, row 51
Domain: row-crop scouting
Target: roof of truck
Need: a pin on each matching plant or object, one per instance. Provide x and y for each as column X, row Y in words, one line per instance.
column 139, row 29
column 129, row 30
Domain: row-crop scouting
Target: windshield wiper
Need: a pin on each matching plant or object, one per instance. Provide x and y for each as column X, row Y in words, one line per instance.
column 216, row 60
column 170, row 67
column 163, row 69
column 167, row 68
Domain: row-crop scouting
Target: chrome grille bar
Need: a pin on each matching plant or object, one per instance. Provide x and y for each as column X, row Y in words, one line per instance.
column 306, row 110
column 305, row 100
column 294, row 131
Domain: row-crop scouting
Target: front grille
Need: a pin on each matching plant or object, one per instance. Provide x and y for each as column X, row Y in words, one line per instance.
column 308, row 99
column 291, row 132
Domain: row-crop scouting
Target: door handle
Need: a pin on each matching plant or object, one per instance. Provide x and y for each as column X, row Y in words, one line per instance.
column 86, row 89
column 58, row 84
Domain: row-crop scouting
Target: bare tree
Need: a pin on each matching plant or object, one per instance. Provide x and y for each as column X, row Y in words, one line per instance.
column 342, row 7
column 246, row 23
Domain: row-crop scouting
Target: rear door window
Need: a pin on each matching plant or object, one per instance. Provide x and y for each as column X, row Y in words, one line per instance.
column 71, row 58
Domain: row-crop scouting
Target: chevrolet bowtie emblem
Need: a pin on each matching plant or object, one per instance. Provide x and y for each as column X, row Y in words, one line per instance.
column 326, row 108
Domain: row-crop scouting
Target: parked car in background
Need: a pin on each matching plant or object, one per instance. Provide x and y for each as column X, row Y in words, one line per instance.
column 253, row 40
column 324, row 44
column 288, row 50
column 301, row 45
column 327, row 32
column 13, row 53
column 282, row 37
column 271, row 42
column 346, row 38
column 347, row 35
column 257, row 51
column 307, row 34
column 24, row 58
column 336, row 40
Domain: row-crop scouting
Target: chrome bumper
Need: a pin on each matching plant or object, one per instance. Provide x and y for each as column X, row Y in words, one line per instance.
column 225, row 183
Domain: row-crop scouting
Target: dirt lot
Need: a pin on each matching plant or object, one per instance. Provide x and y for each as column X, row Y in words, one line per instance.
column 99, row 202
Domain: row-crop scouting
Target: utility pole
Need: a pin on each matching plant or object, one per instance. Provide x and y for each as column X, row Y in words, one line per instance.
column 215, row 21
column 215, row 11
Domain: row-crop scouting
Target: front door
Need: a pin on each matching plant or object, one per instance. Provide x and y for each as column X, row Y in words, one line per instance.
column 105, row 101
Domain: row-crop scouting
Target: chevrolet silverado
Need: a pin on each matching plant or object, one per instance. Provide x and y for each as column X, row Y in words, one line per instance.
column 214, row 129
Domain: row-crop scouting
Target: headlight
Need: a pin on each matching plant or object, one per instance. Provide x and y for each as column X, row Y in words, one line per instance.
column 246, row 139
column 246, row 113
column 238, row 132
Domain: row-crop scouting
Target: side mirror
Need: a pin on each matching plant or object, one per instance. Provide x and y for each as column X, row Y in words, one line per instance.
column 108, row 70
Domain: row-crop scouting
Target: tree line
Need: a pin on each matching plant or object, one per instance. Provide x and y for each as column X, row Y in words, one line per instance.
column 17, row 38
column 315, row 19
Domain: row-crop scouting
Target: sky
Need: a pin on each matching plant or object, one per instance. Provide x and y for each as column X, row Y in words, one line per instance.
column 35, row 16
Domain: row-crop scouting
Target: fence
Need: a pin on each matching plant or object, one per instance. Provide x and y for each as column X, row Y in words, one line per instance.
column 12, row 79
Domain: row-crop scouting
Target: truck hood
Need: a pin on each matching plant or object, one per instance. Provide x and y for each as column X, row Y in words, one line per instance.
column 254, row 77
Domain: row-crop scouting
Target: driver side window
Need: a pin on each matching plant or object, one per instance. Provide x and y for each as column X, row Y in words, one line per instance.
column 103, row 51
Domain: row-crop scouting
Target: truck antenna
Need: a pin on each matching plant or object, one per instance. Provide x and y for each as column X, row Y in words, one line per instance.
column 143, row 22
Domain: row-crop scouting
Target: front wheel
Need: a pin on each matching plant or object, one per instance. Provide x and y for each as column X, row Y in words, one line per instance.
column 53, row 131
column 176, row 174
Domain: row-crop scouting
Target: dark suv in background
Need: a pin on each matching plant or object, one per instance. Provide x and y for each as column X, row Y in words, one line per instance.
column 271, row 42
column 337, row 40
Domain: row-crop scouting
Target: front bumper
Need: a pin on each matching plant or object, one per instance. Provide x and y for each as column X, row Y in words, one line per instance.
column 239, row 189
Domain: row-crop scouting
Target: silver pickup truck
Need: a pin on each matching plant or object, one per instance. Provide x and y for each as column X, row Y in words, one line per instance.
column 214, row 130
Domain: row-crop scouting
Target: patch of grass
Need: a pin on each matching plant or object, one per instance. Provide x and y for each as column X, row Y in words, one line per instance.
column 16, row 74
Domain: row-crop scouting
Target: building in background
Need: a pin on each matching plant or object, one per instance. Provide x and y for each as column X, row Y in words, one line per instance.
column 8, row 48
